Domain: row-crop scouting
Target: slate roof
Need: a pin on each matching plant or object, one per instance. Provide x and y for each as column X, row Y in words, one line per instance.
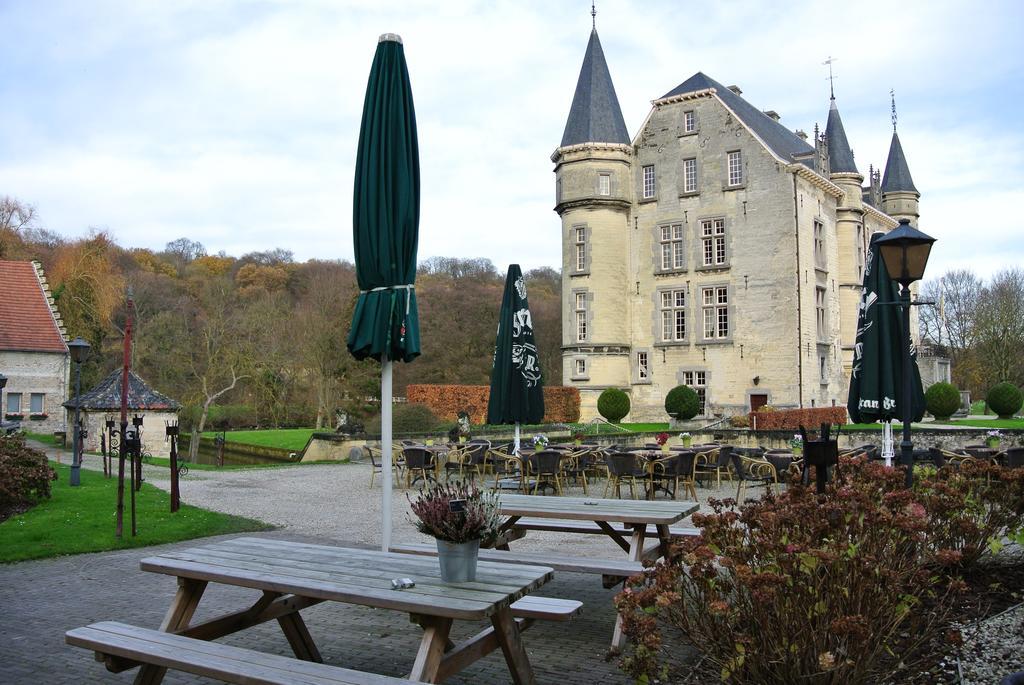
column 777, row 137
column 840, row 156
column 897, row 173
column 26, row 321
column 595, row 115
column 106, row 396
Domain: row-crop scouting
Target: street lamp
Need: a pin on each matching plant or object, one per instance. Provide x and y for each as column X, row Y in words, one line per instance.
column 905, row 252
column 79, row 350
column 3, row 384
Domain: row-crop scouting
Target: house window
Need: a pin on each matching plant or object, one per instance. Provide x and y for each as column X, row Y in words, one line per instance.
column 819, row 311
column 558, row 191
column 604, row 184
column 698, row 382
column 715, row 305
column 819, row 244
column 672, row 258
column 581, row 317
column 689, row 122
column 712, row 232
column 860, row 254
column 823, row 368
column 581, row 367
column 690, row 175
column 642, row 369
column 35, row 403
column 581, row 247
column 648, row 181
column 14, row 403
column 673, row 315
column 736, row 168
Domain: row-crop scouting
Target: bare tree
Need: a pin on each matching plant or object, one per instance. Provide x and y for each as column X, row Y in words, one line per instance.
column 999, row 328
column 951, row 324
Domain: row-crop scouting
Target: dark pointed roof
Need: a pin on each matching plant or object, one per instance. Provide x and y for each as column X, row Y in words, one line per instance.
column 780, row 139
column 897, row 173
column 840, row 156
column 106, row 396
column 595, row 116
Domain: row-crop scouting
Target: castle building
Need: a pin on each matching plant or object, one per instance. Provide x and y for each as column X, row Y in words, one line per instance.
column 716, row 248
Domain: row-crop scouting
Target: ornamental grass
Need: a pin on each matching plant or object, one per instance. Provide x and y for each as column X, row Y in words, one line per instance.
column 457, row 512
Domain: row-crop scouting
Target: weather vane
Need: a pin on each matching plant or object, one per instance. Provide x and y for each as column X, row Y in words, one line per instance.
column 831, row 78
column 892, row 95
column 593, row 15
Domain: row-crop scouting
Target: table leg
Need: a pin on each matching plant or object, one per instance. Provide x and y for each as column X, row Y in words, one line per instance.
column 636, row 551
column 294, row 629
column 184, row 605
column 511, row 641
column 432, row 648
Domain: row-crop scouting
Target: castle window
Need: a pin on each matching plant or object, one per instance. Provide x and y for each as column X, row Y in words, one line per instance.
column 604, row 184
column 712, row 233
column 35, row 403
column 648, row 181
column 819, row 245
column 643, row 372
column 698, row 382
column 581, row 317
column 673, row 315
column 580, row 247
column 823, row 368
column 580, row 367
column 819, row 311
column 860, row 254
column 690, row 175
column 672, row 257
column 689, row 122
column 735, row 168
column 14, row 403
column 715, row 306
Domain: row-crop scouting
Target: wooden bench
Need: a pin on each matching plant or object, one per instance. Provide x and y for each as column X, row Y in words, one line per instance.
column 590, row 527
column 213, row 660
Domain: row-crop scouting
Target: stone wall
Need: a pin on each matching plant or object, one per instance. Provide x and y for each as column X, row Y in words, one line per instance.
column 45, row 373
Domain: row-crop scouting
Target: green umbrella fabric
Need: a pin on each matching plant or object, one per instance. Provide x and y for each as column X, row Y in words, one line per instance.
column 876, row 383
column 386, row 213
column 517, row 394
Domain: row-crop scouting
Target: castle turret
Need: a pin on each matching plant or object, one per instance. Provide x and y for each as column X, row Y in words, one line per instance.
column 900, row 198
column 593, row 198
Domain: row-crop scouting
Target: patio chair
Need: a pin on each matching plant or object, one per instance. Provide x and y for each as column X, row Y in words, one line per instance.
column 674, row 470
column 419, row 464
column 508, row 470
column 575, row 465
column 376, row 464
column 623, row 467
column 758, row 472
column 455, row 461
column 474, row 460
column 545, row 468
column 1013, row 457
column 713, row 461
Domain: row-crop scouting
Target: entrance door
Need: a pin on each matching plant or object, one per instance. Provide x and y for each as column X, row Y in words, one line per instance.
column 758, row 401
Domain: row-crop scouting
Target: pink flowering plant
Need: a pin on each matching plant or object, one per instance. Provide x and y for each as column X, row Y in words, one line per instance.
column 661, row 438
column 475, row 514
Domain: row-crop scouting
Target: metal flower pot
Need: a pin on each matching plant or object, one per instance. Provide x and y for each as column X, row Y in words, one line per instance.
column 458, row 560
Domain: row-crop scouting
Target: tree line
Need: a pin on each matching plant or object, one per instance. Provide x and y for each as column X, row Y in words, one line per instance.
column 264, row 330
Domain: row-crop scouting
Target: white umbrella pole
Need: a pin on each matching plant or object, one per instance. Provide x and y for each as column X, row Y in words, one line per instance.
column 516, row 449
column 385, row 448
column 888, row 451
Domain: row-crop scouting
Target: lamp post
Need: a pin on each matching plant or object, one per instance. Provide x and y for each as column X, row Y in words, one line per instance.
column 905, row 252
column 3, row 384
column 79, row 350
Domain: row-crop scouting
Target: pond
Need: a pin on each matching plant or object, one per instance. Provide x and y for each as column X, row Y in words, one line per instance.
column 208, row 455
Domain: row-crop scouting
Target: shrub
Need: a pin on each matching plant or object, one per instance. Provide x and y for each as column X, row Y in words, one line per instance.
column 1004, row 399
column 942, row 400
column 792, row 419
column 739, row 421
column 613, row 404
column 682, row 403
column 561, row 403
column 405, row 419
column 25, row 475
column 221, row 417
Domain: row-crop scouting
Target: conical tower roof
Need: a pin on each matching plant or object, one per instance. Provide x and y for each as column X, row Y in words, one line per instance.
column 840, row 156
column 595, row 116
column 106, row 396
column 897, row 173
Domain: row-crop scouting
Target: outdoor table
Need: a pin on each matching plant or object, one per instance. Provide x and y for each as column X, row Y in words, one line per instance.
column 293, row 576
column 983, row 453
column 650, row 458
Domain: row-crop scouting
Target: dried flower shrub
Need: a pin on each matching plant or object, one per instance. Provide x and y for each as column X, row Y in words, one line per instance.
column 25, row 474
column 479, row 519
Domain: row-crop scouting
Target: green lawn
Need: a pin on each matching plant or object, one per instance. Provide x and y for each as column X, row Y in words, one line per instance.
column 292, row 439
column 77, row 520
column 45, row 438
column 1008, row 424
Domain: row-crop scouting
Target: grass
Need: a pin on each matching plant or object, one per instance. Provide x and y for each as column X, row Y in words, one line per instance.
column 45, row 438
column 81, row 519
column 164, row 462
column 1008, row 424
column 291, row 439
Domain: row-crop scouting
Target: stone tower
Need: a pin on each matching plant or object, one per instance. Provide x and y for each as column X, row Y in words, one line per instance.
column 900, row 198
column 593, row 197
column 849, row 228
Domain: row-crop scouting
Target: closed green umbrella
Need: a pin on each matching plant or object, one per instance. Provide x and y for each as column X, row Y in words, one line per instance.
column 876, row 383
column 385, row 229
column 517, row 394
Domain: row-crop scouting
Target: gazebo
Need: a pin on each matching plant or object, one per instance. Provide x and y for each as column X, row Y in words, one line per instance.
column 104, row 401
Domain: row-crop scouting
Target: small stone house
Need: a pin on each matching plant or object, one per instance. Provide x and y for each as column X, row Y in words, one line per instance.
column 33, row 350
column 103, row 402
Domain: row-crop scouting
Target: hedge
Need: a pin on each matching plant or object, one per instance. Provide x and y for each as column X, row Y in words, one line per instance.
column 561, row 404
column 792, row 419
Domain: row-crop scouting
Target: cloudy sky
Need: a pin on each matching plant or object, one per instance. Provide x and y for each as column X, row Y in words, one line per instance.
column 235, row 123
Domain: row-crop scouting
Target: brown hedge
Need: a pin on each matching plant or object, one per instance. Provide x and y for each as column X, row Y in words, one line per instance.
column 561, row 404
column 792, row 419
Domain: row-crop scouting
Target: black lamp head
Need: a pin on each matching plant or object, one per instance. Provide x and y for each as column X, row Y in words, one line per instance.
column 905, row 252
column 79, row 349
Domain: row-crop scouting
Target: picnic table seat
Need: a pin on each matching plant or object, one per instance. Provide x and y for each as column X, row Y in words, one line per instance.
column 221, row 662
column 581, row 526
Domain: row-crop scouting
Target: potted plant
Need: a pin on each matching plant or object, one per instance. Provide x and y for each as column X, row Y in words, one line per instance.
column 577, row 439
column 685, row 439
column 459, row 516
column 540, row 442
column 662, row 440
column 992, row 439
column 796, row 443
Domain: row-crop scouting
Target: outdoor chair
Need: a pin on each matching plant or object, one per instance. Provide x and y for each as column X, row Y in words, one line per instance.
column 508, row 471
column 673, row 470
column 757, row 472
column 623, row 467
column 474, row 460
column 455, row 461
column 419, row 463
column 545, row 469
column 376, row 463
column 1013, row 458
column 712, row 462
column 575, row 465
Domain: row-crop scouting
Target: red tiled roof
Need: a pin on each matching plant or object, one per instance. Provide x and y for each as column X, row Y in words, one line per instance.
column 26, row 322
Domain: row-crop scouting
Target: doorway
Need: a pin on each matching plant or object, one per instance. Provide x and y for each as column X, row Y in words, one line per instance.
column 758, row 401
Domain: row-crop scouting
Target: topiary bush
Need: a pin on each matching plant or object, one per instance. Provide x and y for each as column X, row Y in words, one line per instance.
column 613, row 404
column 1004, row 399
column 942, row 400
column 25, row 475
column 406, row 419
column 682, row 403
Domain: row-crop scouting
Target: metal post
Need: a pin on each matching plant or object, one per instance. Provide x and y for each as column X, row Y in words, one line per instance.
column 906, row 446
column 385, row 449
column 76, row 442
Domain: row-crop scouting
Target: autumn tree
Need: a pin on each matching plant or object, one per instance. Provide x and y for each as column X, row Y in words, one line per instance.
column 999, row 328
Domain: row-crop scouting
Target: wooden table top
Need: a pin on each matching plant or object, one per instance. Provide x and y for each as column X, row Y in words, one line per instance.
column 353, row 576
column 594, row 509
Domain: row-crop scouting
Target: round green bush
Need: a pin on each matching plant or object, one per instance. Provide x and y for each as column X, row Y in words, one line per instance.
column 1004, row 399
column 407, row 419
column 682, row 403
column 613, row 404
column 942, row 400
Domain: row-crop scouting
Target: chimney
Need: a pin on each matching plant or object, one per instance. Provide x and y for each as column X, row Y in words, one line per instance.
column 772, row 114
column 735, row 89
column 801, row 134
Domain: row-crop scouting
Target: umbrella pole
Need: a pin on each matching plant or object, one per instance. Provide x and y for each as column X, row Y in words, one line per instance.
column 887, row 443
column 385, row 448
column 516, row 450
